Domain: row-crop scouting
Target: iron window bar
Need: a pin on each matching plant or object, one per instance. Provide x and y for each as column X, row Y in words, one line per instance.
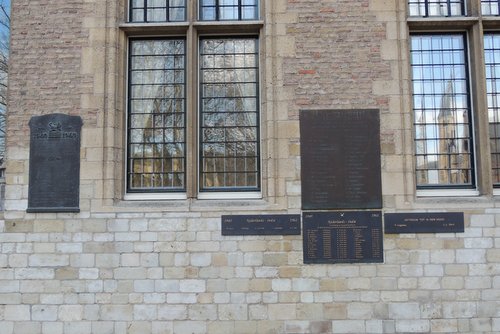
column 229, row 114
column 436, row 8
column 148, row 11
column 227, row 10
column 444, row 155
column 492, row 64
column 156, row 154
column 490, row 7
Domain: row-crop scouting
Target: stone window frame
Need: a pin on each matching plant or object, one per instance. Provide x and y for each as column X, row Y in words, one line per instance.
column 192, row 29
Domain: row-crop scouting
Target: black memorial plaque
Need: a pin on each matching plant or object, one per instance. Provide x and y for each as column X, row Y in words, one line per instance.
column 340, row 159
column 54, row 170
column 343, row 237
column 424, row 222
column 261, row 225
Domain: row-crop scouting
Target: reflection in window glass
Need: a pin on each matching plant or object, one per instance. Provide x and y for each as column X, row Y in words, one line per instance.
column 427, row 8
column 157, row 10
column 229, row 114
column 443, row 137
column 490, row 7
column 492, row 62
column 221, row 10
column 156, row 116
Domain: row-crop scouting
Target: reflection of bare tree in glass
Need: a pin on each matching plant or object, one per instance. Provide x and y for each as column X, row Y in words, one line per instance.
column 229, row 114
column 160, row 162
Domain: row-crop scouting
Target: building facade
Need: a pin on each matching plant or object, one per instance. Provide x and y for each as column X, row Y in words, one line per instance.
column 190, row 112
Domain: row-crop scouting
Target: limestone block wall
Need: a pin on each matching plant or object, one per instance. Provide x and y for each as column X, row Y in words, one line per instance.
column 163, row 266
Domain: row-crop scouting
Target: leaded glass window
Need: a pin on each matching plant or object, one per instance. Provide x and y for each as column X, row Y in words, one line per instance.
column 222, row 10
column 442, row 113
column 157, row 10
column 229, row 114
column 156, row 117
column 492, row 62
column 490, row 7
column 425, row 8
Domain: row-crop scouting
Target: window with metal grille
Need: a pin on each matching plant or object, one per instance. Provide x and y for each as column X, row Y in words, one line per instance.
column 156, row 115
column 442, row 113
column 221, row 10
column 426, row 8
column 157, row 10
column 492, row 63
column 490, row 7
column 229, row 114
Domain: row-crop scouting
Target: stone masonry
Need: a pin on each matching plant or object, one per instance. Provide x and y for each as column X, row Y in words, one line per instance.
column 163, row 267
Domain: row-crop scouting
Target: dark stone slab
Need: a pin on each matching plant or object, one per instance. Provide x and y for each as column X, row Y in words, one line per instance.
column 54, row 170
column 343, row 237
column 340, row 159
column 424, row 222
column 261, row 225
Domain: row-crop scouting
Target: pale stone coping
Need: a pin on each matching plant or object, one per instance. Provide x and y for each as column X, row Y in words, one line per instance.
column 154, row 197
column 228, row 26
column 229, row 195
column 154, row 28
column 190, row 205
column 433, row 22
column 183, row 196
column 448, row 193
column 441, row 201
column 491, row 21
column 134, row 28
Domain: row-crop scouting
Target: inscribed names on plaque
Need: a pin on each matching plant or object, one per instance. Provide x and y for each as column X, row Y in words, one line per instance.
column 343, row 237
column 260, row 225
column 424, row 222
column 54, row 170
column 340, row 159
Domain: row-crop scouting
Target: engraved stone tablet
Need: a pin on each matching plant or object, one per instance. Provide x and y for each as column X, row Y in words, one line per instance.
column 343, row 237
column 340, row 159
column 424, row 222
column 261, row 225
column 54, row 171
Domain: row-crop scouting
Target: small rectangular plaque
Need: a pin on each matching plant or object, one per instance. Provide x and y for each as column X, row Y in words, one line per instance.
column 340, row 159
column 424, row 222
column 261, row 225
column 343, row 237
column 54, row 163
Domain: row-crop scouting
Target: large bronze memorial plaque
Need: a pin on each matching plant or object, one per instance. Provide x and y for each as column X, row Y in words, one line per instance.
column 343, row 237
column 54, row 170
column 340, row 159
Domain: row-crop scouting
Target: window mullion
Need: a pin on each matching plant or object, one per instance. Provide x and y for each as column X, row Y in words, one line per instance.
column 191, row 113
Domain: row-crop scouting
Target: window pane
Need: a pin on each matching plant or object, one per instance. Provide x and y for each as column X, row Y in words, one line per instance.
column 157, row 10
column 443, row 133
column 436, row 8
column 156, row 116
column 211, row 10
column 229, row 114
column 492, row 63
column 490, row 7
